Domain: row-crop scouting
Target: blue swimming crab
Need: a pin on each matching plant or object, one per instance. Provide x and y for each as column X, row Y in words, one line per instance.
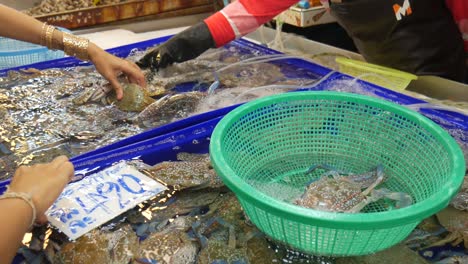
column 337, row 191
column 99, row 246
column 193, row 171
column 226, row 235
column 135, row 98
column 456, row 223
column 186, row 203
column 171, row 245
column 169, row 108
column 460, row 201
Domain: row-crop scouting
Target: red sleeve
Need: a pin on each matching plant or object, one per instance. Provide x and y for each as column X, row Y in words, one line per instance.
column 242, row 17
column 459, row 9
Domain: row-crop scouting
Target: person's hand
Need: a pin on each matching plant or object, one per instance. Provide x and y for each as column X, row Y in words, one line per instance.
column 184, row 46
column 111, row 67
column 160, row 56
column 44, row 182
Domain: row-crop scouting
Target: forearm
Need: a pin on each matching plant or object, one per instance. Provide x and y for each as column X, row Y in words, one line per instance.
column 242, row 17
column 26, row 28
column 19, row 26
column 15, row 220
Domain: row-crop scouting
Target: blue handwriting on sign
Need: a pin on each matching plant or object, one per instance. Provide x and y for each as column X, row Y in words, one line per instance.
column 94, row 201
column 104, row 191
column 64, row 215
column 122, row 182
column 101, row 197
column 83, row 223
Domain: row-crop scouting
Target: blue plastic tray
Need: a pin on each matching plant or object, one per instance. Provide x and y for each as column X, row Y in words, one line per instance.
column 252, row 48
column 459, row 120
column 164, row 142
column 445, row 118
column 158, row 131
column 150, row 146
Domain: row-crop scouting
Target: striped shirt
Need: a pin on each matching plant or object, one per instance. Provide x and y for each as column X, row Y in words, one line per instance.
column 242, row 17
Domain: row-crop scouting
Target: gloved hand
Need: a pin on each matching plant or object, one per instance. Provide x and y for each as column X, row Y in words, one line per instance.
column 186, row 45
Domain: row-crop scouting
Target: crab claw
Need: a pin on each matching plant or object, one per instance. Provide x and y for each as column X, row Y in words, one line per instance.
column 367, row 179
column 146, row 261
column 401, row 199
column 330, row 169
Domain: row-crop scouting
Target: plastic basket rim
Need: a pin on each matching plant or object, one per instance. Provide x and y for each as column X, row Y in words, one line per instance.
column 376, row 68
column 28, row 51
column 412, row 214
column 33, row 48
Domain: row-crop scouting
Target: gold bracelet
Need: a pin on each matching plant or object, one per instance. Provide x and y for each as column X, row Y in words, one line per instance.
column 43, row 34
column 75, row 46
column 49, row 35
column 23, row 196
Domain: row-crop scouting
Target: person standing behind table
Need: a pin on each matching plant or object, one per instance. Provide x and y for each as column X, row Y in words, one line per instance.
column 416, row 36
column 459, row 9
column 19, row 26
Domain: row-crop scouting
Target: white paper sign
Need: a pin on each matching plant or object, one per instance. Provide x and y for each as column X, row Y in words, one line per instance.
column 98, row 198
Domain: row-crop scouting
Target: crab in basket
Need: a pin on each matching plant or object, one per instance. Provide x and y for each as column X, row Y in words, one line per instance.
column 337, row 191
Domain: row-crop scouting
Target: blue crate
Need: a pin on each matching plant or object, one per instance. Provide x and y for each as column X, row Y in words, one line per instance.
column 445, row 118
column 14, row 53
column 153, row 145
column 158, row 131
column 315, row 71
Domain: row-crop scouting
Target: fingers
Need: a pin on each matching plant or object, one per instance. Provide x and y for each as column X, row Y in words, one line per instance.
column 41, row 220
column 117, row 87
column 63, row 165
column 131, row 63
column 59, row 160
column 134, row 74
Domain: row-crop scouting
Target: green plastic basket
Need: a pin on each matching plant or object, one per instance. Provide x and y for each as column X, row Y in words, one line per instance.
column 262, row 149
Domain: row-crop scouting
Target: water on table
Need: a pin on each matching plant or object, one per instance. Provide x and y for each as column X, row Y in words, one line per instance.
column 66, row 111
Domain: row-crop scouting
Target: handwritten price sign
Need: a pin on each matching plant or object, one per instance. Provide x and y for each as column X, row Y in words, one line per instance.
column 98, row 198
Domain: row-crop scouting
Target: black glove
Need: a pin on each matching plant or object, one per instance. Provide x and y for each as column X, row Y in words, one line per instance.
column 186, row 45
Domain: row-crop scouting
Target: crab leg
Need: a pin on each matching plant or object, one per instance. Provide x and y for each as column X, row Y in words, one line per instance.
column 402, row 199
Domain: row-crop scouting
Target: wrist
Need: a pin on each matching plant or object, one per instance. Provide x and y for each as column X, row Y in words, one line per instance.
column 75, row 46
column 22, row 201
column 23, row 209
column 93, row 51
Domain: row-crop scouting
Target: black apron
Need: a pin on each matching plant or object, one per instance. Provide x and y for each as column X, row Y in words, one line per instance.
column 422, row 39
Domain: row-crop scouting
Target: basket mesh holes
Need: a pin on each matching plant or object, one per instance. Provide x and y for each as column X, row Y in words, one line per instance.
column 359, row 138
column 273, row 146
column 326, row 241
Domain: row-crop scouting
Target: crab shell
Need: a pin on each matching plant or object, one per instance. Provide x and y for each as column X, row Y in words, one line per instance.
column 117, row 247
column 169, row 247
column 186, row 174
column 456, row 222
column 135, row 98
column 328, row 194
column 460, row 201
column 396, row 254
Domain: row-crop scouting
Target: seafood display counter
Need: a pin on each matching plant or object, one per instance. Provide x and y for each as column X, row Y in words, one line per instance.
column 220, row 80
column 291, row 68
